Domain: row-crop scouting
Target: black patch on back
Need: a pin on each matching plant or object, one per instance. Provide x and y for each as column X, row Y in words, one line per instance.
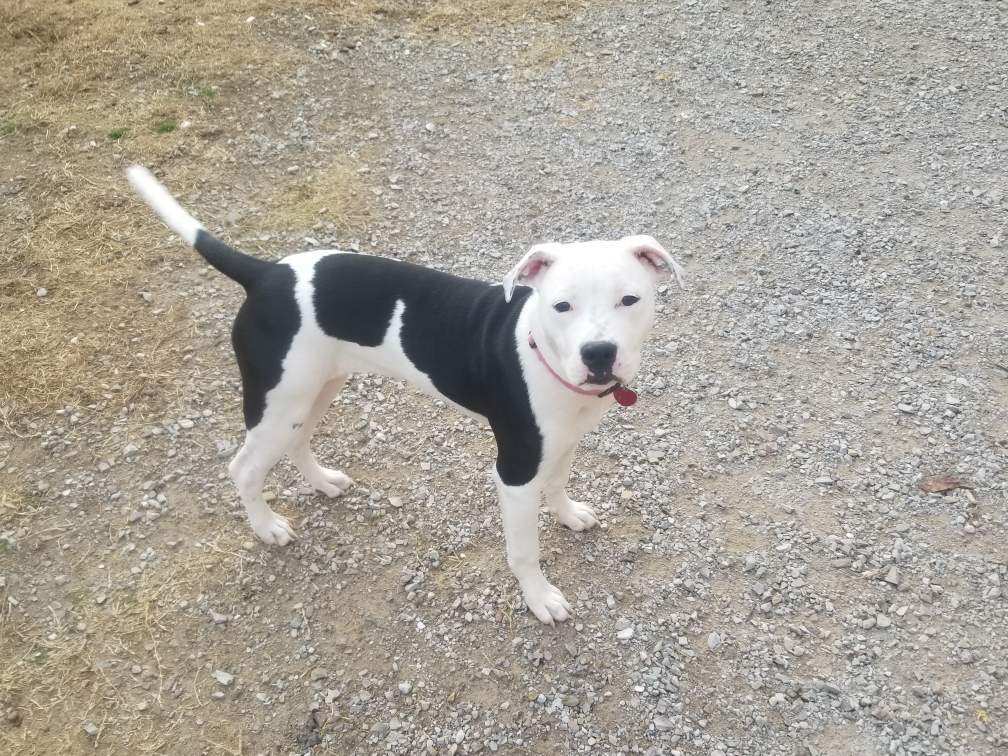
column 458, row 331
column 262, row 335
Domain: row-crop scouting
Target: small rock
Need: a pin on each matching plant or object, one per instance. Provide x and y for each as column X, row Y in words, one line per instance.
column 625, row 634
column 218, row 619
column 405, row 687
column 91, row 729
column 663, row 723
column 893, row 576
column 319, row 673
column 882, row 620
column 713, row 641
column 224, row 678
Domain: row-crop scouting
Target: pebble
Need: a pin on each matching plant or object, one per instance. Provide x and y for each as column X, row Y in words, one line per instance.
column 219, row 619
column 663, row 723
column 713, row 641
column 224, row 678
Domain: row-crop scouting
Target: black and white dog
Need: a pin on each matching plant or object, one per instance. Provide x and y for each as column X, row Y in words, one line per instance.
column 540, row 358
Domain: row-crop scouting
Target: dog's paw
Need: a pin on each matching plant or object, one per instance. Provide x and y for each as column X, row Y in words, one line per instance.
column 274, row 529
column 332, row 483
column 576, row 516
column 546, row 601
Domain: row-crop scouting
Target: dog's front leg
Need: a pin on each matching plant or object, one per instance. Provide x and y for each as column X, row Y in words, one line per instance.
column 520, row 513
column 574, row 514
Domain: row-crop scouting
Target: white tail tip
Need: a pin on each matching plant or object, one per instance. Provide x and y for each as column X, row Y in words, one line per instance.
column 155, row 195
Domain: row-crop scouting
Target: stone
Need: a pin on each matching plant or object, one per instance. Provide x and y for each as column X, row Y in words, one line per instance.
column 893, row 576
column 663, row 723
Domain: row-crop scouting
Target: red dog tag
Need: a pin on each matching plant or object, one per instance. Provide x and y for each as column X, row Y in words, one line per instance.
column 624, row 396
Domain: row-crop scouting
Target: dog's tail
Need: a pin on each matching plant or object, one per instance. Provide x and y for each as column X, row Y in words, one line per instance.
column 234, row 264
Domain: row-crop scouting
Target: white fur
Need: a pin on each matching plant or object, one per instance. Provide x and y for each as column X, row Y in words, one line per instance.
column 171, row 212
column 593, row 277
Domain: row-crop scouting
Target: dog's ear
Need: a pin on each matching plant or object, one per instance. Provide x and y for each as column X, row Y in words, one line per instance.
column 655, row 258
column 529, row 269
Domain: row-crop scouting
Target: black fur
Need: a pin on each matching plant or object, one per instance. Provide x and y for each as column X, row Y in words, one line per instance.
column 458, row 331
column 262, row 335
column 236, row 265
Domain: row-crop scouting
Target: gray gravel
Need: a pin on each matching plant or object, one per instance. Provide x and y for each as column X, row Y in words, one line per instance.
column 769, row 578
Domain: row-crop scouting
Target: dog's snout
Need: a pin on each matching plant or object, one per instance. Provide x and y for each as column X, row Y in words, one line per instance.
column 599, row 356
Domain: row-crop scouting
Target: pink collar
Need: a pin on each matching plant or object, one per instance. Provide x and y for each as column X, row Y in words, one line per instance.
column 621, row 394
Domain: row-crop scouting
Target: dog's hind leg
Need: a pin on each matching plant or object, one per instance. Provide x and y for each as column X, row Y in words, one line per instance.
column 275, row 419
column 328, row 481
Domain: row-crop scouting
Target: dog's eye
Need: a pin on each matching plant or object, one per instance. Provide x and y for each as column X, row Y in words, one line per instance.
column 562, row 306
column 629, row 299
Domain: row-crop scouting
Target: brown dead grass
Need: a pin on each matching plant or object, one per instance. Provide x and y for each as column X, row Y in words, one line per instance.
column 57, row 673
column 467, row 15
column 88, row 87
column 332, row 195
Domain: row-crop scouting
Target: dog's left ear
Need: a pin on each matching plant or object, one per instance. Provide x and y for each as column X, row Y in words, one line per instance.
column 655, row 257
column 529, row 269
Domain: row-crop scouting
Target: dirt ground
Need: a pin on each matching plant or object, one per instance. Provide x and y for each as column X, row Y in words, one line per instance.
column 803, row 547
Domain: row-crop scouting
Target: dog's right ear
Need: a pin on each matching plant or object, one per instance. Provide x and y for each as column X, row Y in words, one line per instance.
column 529, row 269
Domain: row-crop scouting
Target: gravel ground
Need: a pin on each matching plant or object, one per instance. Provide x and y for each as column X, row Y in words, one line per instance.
column 771, row 576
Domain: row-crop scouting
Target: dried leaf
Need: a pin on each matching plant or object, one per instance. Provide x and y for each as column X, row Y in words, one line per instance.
column 941, row 483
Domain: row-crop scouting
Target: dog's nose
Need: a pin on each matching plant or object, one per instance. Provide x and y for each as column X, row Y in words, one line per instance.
column 599, row 356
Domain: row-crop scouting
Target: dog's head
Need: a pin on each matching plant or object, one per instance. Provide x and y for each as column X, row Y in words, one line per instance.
column 594, row 304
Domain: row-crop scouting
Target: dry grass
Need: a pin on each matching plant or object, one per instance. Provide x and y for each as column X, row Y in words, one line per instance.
column 465, row 15
column 332, row 194
column 89, row 339
column 543, row 52
column 89, row 86
column 59, row 673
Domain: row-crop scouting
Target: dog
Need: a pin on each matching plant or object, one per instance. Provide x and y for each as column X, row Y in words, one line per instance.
column 540, row 357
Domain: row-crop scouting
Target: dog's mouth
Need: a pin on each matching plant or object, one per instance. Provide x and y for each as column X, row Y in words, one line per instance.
column 600, row 379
